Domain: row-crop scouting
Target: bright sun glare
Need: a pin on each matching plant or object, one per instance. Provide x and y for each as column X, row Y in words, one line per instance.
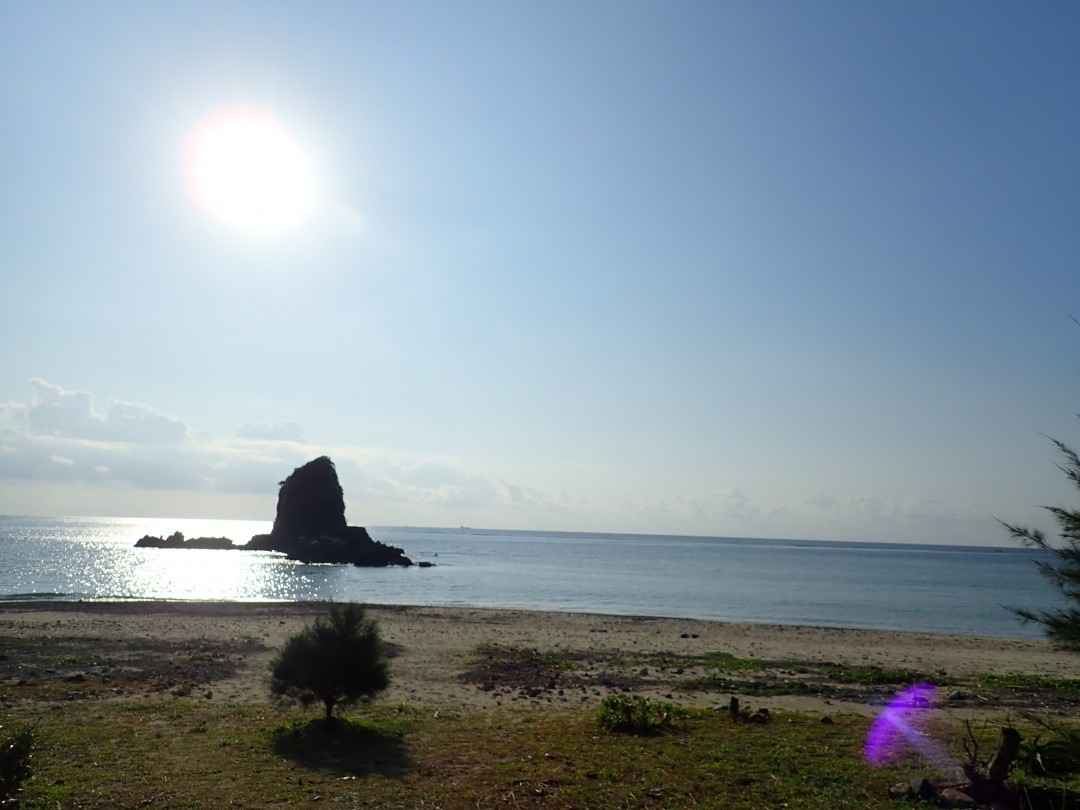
column 244, row 168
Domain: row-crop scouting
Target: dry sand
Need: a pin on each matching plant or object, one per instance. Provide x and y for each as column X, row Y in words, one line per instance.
column 222, row 651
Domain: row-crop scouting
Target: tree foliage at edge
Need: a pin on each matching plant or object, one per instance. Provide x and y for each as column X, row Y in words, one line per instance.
column 1061, row 625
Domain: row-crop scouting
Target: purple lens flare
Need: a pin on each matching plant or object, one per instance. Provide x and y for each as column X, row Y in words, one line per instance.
column 901, row 729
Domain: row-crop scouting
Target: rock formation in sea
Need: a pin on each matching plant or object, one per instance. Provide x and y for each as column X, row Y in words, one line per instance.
column 176, row 540
column 310, row 523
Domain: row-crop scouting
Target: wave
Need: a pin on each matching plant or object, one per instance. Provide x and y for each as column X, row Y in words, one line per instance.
column 39, row 596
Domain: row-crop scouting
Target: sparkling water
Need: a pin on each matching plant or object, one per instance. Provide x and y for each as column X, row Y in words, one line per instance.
column 942, row 589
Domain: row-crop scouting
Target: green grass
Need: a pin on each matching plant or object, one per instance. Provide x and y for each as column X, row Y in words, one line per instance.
column 990, row 680
column 720, row 683
column 879, row 676
column 190, row 657
column 727, row 661
column 809, row 679
column 73, row 661
column 199, row 754
column 489, row 654
column 196, row 755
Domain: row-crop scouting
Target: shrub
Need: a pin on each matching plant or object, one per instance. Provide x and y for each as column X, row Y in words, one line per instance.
column 339, row 659
column 1055, row 753
column 1049, row 757
column 636, row 715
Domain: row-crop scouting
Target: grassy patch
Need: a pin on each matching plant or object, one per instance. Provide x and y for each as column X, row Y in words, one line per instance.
column 493, row 667
column 758, row 687
column 197, row 755
column 769, row 678
column 350, row 747
column 1069, row 686
column 528, row 673
column 878, row 676
column 729, row 662
column 187, row 657
column 73, row 661
column 494, row 655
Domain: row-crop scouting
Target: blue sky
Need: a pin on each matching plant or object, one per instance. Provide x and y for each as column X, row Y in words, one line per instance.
column 751, row 269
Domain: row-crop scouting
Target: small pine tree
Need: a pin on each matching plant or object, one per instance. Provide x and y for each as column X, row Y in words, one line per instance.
column 16, row 754
column 339, row 659
column 1063, row 624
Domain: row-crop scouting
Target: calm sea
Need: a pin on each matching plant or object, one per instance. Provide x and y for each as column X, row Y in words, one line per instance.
column 941, row 589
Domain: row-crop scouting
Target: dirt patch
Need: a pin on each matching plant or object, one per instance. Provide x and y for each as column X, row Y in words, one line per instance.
column 79, row 667
column 530, row 673
column 519, row 672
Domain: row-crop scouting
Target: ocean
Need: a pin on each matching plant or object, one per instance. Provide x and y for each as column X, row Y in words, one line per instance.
column 917, row 587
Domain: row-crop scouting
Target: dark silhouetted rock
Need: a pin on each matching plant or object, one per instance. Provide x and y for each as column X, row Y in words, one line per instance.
column 311, row 502
column 310, row 523
column 176, row 540
column 210, row 542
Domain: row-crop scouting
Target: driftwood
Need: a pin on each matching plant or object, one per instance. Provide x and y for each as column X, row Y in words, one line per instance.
column 997, row 771
column 985, row 787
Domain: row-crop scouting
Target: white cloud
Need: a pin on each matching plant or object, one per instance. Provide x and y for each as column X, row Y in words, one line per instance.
column 12, row 412
column 71, row 414
column 272, row 431
column 60, row 442
column 59, row 437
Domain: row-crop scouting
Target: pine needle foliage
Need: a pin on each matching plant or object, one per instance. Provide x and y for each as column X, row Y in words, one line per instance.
column 339, row 659
column 16, row 751
column 1061, row 625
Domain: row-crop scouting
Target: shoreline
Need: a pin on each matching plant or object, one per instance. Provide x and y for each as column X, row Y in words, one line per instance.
column 130, row 650
column 57, row 600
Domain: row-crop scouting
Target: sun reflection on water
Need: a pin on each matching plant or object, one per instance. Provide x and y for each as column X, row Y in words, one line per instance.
column 98, row 560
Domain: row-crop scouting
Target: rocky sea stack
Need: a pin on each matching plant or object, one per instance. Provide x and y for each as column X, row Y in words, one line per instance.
column 310, row 523
column 309, row 526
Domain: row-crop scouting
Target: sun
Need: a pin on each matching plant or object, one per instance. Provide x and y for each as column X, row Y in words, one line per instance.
column 244, row 168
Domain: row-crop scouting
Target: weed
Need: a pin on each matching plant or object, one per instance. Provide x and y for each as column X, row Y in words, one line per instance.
column 636, row 715
column 724, row 660
column 1051, row 757
column 73, row 661
column 190, row 657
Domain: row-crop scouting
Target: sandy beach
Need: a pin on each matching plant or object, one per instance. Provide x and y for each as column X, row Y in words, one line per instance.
column 465, row 658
